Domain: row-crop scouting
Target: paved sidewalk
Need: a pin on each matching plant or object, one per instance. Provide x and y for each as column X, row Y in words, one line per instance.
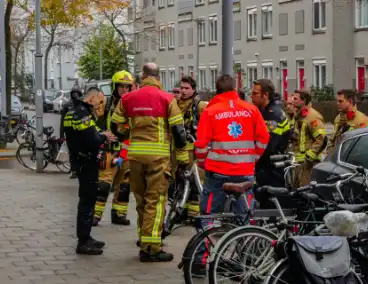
column 37, row 238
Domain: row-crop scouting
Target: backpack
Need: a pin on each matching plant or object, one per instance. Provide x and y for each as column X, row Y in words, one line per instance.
column 320, row 260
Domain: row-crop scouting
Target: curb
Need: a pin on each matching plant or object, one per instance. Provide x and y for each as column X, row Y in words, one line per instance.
column 8, row 154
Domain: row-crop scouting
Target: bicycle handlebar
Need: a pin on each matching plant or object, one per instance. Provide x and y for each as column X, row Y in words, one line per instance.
column 279, row 158
column 359, row 170
column 190, row 138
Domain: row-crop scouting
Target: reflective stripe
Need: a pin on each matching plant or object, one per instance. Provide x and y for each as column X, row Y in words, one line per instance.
column 161, row 130
column 117, row 118
column 281, row 130
column 231, row 145
column 158, row 218
column 261, row 145
column 189, row 147
column 311, row 154
column 176, row 119
column 147, row 148
column 302, row 137
column 319, row 132
column 250, row 158
column 200, row 160
column 120, row 208
column 182, row 156
column 300, row 157
column 201, row 151
column 124, row 146
column 67, row 123
column 193, row 207
column 151, row 240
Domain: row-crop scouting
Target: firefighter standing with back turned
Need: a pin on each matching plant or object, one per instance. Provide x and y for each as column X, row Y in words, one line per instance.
column 83, row 141
column 112, row 174
column 152, row 113
column 309, row 137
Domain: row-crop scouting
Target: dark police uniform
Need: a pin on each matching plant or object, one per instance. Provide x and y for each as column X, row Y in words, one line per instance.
column 279, row 129
column 84, row 141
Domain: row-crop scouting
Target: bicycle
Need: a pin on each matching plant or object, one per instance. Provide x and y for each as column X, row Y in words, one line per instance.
column 51, row 148
column 244, row 238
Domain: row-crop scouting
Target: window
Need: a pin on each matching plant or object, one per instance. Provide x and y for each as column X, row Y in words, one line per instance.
column 138, row 42
column 202, row 78
column 319, row 76
column 201, row 32
column 191, row 71
column 163, row 79
column 300, row 74
column 252, row 23
column 213, row 77
column 213, row 29
column 354, row 151
column 170, row 2
column 172, row 79
column 199, row 2
column 267, row 70
column 319, row 14
column 68, row 55
column 171, row 35
column 161, row 3
column 267, row 21
column 361, row 15
column 252, row 73
column 181, row 72
column 162, row 37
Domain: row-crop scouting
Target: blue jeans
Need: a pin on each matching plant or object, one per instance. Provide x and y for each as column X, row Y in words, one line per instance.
column 213, row 199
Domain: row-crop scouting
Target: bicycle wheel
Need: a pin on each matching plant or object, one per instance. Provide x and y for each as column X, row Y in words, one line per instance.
column 28, row 155
column 280, row 275
column 193, row 258
column 243, row 264
column 19, row 134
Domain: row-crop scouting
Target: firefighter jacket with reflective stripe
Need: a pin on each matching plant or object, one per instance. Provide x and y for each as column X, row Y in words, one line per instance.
column 279, row 128
column 310, row 136
column 346, row 122
column 236, row 133
column 81, row 133
column 150, row 113
column 104, row 123
column 183, row 156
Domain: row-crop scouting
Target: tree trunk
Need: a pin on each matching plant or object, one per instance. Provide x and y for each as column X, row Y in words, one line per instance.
column 122, row 35
column 8, row 54
column 47, row 52
column 16, row 54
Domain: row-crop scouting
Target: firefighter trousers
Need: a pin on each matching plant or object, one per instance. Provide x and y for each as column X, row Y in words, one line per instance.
column 119, row 180
column 302, row 174
column 149, row 181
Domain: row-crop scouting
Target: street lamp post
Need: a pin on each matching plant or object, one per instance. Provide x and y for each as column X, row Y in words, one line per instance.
column 33, row 70
column 39, row 91
column 2, row 62
column 227, row 37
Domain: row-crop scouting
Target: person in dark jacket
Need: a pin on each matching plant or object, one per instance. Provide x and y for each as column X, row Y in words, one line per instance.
column 75, row 94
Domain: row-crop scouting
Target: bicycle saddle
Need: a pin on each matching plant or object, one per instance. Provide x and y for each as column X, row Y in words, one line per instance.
column 48, row 130
column 237, row 187
column 355, row 208
column 274, row 191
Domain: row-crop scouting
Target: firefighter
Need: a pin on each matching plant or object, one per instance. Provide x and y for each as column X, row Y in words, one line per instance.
column 279, row 128
column 191, row 107
column 309, row 137
column 151, row 113
column 75, row 94
column 110, row 175
column 238, row 136
column 349, row 117
column 290, row 111
column 84, row 140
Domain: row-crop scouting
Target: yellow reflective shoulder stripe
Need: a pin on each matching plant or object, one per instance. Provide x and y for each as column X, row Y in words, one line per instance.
column 319, row 132
column 176, row 119
column 189, row 147
column 117, row 118
column 281, row 130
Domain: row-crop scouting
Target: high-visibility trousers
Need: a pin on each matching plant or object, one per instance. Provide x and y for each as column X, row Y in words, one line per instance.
column 149, row 181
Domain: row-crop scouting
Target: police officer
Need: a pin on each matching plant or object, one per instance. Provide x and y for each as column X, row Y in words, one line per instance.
column 309, row 137
column 110, row 174
column 83, row 141
column 75, row 95
column 151, row 113
column 279, row 128
column 349, row 117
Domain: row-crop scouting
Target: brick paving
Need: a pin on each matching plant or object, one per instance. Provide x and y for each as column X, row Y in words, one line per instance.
column 37, row 238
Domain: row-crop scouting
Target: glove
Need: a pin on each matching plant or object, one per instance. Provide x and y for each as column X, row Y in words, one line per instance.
column 119, row 162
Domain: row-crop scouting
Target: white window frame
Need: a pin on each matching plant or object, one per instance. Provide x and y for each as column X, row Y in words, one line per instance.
column 202, row 78
column 172, row 81
column 201, row 30
column 163, row 78
column 199, row 2
column 361, row 13
column 137, row 41
column 162, row 37
column 171, row 35
column 170, row 2
column 181, row 72
column 266, row 11
column 267, row 67
column 213, row 28
column 299, row 65
column 161, row 3
column 191, row 70
column 252, row 73
column 320, row 15
column 251, row 13
column 213, row 76
column 319, row 64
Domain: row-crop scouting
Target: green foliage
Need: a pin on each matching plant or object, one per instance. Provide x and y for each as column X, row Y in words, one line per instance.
column 326, row 93
column 113, row 58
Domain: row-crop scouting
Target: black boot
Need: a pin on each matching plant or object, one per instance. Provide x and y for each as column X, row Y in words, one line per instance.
column 96, row 243
column 155, row 257
column 95, row 221
column 119, row 220
column 73, row 175
column 88, row 247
